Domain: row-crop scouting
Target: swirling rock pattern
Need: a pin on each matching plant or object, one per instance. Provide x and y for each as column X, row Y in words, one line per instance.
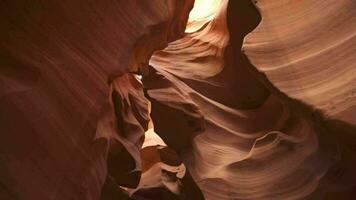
column 235, row 104
column 306, row 49
column 164, row 175
column 58, row 62
column 239, row 136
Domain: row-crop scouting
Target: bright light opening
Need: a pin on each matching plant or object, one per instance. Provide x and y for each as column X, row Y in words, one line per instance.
column 202, row 12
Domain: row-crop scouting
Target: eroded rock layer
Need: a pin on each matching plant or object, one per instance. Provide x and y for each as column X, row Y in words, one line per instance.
column 307, row 50
column 164, row 176
column 234, row 99
column 61, row 114
column 239, row 136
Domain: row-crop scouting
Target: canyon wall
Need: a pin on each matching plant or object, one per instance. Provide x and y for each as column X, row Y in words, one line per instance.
column 242, row 111
column 254, row 102
column 58, row 64
column 307, row 50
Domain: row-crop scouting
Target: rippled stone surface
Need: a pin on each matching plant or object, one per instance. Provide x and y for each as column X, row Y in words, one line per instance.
column 58, row 62
column 238, row 134
column 255, row 101
column 306, row 49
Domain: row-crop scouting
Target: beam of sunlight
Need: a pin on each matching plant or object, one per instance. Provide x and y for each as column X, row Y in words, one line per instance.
column 202, row 12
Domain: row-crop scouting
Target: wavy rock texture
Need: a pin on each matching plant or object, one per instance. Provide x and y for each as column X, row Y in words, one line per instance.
column 307, row 50
column 58, row 60
column 164, row 176
column 239, row 136
column 73, row 116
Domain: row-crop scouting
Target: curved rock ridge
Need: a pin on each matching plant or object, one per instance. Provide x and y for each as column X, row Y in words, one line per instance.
column 58, row 62
column 307, row 50
column 205, row 46
column 124, row 126
column 164, row 176
column 238, row 135
column 231, row 109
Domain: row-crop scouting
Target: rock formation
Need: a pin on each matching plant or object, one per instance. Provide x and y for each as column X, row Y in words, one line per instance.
column 251, row 100
column 242, row 138
column 59, row 61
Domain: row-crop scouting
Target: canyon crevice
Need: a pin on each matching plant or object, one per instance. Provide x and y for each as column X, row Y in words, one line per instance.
column 136, row 100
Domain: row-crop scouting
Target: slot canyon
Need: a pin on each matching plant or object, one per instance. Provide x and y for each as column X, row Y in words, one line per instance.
column 177, row 99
